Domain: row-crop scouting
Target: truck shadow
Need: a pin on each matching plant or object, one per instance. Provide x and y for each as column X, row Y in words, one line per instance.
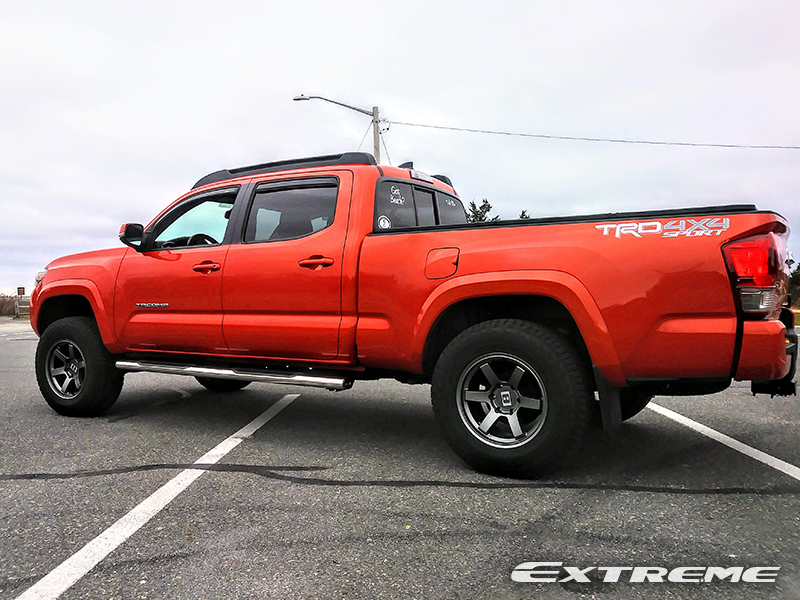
column 401, row 436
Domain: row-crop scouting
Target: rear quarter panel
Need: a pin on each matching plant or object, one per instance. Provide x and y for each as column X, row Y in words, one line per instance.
column 647, row 306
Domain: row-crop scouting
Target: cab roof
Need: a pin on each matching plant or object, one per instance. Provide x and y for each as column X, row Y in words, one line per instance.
column 347, row 158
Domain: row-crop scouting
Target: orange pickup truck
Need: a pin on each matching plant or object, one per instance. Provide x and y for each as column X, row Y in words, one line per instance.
column 326, row 270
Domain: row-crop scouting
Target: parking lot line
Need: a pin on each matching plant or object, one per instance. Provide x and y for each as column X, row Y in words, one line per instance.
column 60, row 579
column 776, row 463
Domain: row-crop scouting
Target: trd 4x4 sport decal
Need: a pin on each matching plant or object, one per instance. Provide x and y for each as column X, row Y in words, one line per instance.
column 670, row 229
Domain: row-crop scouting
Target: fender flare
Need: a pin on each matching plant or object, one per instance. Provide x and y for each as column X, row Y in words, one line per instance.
column 76, row 287
column 558, row 285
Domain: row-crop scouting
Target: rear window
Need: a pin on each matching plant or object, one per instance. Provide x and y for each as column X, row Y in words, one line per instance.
column 394, row 208
column 423, row 201
column 451, row 211
column 401, row 205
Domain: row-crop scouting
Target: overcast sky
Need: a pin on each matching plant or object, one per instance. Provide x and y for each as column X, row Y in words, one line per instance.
column 109, row 111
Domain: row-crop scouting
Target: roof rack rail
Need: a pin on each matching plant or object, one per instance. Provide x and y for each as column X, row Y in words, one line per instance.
column 347, row 158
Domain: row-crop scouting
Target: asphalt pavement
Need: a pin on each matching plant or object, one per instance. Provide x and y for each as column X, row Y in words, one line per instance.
column 355, row 495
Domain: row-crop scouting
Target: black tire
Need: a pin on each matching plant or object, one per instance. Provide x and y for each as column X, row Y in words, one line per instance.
column 222, row 385
column 632, row 402
column 531, row 365
column 75, row 372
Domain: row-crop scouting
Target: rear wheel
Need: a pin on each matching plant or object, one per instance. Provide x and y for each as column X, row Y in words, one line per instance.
column 75, row 372
column 511, row 397
column 222, row 385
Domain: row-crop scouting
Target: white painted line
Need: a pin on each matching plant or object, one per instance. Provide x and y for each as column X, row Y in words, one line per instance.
column 776, row 463
column 60, row 579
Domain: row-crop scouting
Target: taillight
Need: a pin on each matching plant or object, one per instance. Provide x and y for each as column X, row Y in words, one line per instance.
column 757, row 266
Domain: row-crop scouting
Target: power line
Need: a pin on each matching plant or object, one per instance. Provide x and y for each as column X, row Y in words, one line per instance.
column 590, row 139
column 365, row 136
column 385, row 149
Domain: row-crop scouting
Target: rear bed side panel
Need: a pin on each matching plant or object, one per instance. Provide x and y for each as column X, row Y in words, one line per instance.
column 396, row 338
column 666, row 301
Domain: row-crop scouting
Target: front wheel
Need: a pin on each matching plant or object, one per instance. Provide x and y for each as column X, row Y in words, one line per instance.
column 511, row 397
column 75, row 372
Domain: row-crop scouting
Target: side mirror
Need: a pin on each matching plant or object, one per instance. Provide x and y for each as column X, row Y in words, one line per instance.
column 132, row 234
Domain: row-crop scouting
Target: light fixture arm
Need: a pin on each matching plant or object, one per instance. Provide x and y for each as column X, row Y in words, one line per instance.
column 376, row 132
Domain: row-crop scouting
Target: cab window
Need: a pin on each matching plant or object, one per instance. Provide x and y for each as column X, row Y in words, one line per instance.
column 286, row 212
column 423, row 201
column 401, row 205
column 451, row 211
column 394, row 206
column 199, row 223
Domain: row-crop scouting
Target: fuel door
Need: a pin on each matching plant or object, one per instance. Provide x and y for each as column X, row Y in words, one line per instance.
column 441, row 263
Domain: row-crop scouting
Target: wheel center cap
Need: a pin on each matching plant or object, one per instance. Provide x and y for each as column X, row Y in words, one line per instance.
column 505, row 400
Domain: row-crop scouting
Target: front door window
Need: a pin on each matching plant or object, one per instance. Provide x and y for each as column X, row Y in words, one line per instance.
column 201, row 224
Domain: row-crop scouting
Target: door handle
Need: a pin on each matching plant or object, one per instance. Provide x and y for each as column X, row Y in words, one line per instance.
column 316, row 262
column 206, row 267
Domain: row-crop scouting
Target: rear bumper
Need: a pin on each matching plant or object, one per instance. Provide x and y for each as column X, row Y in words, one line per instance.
column 769, row 355
column 764, row 351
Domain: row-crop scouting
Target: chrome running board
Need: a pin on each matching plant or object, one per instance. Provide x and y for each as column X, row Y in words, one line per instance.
column 330, row 383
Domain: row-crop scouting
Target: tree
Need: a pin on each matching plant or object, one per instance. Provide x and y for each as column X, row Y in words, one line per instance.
column 794, row 284
column 479, row 214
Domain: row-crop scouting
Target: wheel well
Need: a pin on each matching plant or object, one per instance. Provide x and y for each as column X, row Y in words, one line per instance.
column 462, row 315
column 59, row 307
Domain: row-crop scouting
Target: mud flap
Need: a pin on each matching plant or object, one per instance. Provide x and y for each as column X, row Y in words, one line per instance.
column 610, row 407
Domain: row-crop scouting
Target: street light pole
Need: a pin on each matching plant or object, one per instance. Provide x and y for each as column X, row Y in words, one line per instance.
column 376, row 131
column 376, row 134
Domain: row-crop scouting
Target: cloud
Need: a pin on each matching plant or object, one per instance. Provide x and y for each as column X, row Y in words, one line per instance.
column 107, row 114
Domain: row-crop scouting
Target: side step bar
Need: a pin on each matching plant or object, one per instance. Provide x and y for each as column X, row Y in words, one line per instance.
column 330, row 383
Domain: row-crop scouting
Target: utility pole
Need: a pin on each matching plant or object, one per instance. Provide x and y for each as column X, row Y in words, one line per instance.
column 376, row 121
column 376, row 135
